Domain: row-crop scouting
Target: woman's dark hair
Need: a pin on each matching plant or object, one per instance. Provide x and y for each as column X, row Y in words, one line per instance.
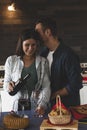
column 24, row 35
column 48, row 22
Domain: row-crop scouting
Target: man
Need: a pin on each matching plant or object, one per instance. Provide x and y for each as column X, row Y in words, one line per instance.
column 64, row 64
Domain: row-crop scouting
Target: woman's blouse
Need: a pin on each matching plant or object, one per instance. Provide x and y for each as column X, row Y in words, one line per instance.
column 31, row 82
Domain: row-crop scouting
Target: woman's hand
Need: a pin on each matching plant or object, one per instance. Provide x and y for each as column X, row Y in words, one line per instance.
column 40, row 110
column 11, row 86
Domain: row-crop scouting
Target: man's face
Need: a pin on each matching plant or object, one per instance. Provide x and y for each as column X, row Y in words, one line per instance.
column 41, row 31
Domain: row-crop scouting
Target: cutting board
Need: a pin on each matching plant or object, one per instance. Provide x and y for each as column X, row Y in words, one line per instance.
column 48, row 126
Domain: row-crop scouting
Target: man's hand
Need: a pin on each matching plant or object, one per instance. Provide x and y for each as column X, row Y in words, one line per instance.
column 54, row 95
column 62, row 92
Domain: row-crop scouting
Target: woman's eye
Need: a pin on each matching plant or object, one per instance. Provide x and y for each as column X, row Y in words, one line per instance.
column 27, row 45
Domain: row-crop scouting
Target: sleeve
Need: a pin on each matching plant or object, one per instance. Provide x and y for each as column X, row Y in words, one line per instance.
column 45, row 93
column 73, row 73
column 7, row 76
column 9, row 102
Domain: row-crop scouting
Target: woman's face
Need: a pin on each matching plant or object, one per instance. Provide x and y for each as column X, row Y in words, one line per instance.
column 29, row 47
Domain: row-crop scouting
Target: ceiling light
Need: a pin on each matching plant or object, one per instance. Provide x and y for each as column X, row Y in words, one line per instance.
column 12, row 7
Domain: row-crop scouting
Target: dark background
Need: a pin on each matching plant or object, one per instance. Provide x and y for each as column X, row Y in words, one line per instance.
column 70, row 15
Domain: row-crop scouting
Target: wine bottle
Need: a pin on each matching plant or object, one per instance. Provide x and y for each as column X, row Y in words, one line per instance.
column 19, row 84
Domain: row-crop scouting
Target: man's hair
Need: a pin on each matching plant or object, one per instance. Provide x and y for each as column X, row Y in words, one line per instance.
column 48, row 22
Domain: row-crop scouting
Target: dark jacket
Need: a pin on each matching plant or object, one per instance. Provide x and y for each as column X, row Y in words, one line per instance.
column 66, row 72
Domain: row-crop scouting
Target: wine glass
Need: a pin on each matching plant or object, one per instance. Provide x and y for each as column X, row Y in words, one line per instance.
column 34, row 100
column 24, row 101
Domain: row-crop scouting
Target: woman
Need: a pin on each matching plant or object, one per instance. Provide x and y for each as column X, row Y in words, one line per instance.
column 27, row 61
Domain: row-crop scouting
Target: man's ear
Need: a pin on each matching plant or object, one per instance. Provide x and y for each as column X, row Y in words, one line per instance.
column 48, row 31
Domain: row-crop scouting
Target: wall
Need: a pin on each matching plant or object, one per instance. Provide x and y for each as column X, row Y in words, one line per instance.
column 70, row 16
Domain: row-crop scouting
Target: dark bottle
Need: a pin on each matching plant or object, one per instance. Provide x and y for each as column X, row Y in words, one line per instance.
column 19, row 84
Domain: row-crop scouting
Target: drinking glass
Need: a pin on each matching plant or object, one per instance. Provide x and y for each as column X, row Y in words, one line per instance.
column 34, row 99
column 24, row 101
